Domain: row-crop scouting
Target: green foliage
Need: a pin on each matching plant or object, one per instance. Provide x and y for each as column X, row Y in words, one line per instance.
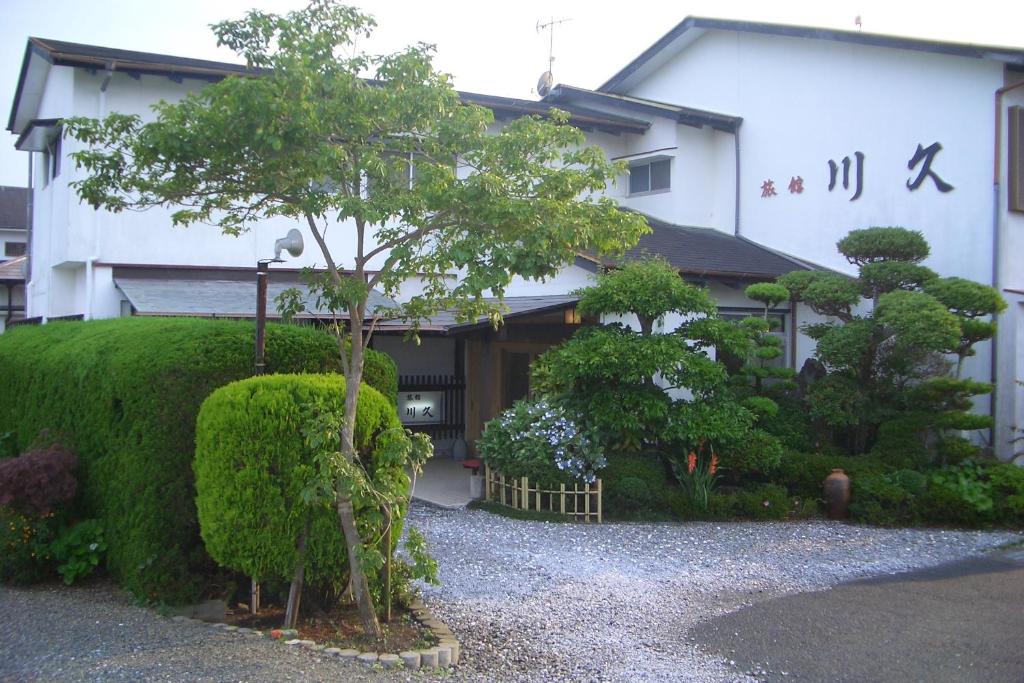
column 648, row 288
column 762, row 502
column 832, row 294
column 791, row 425
column 638, row 485
column 607, row 373
column 887, row 364
column 758, row 453
column 542, row 441
column 254, row 467
column 883, row 500
column 697, row 474
column 769, row 293
column 796, row 282
column 79, row 550
column 718, row 420
column 123, row 394
column 919, row 320
column 972, row 494
column 875, row 244
column 837, row 400
column 880, row 277
column 803, row 474
column 966, row 298
column 764, row 408
column 25, row 546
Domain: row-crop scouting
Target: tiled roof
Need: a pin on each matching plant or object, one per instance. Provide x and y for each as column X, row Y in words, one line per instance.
column 229, row 294
column 708, row 252
column 515, row 306
column 13, row 270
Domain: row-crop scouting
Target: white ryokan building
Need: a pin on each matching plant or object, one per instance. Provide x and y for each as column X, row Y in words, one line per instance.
column 753, row 147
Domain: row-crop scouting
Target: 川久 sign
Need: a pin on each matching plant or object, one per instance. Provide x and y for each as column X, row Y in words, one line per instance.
column 849, row 172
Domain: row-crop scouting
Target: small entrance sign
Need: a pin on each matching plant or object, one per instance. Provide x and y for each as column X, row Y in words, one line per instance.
column 420, row 407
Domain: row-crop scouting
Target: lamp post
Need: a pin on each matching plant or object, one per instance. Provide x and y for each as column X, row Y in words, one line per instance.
column 292, row 242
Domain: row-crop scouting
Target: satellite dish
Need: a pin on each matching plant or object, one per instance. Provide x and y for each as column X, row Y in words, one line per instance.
column 292, row 243
column 544, row 83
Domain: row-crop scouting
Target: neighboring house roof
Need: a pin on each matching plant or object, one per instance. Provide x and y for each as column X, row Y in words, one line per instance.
column 691, row 28
column 13, row 208
column 213, row 292
column 12, row 271
column 231, row 293
column 689, row 116
column 705, row 252
column 40, row 53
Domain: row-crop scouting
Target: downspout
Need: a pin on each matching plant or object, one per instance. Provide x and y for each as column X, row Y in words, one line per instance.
column 996, row 173
column 90, row 270
column 736, row 210
column 792, row 332
column 31, row 232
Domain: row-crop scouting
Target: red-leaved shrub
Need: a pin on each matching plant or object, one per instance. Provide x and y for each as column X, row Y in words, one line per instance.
column 36, row 482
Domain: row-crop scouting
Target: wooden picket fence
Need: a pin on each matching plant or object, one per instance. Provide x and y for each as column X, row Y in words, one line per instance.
column 582, row 503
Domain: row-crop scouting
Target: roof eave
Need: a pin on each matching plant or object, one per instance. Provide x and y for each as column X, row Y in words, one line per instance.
column 1013, row 58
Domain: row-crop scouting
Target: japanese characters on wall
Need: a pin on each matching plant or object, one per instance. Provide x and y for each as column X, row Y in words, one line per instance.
column 852, row 173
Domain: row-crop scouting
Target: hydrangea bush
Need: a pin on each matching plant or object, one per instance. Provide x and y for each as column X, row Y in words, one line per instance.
column 542, row 441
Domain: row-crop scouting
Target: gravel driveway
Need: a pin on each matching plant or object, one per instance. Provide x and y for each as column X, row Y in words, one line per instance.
column 530, row 601
column 537, row 601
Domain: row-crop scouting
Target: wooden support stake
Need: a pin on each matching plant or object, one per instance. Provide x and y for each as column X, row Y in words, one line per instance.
column 598, row 501
column 254, row 597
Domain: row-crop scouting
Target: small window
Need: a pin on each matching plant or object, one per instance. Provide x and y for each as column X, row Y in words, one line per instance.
column 14, row 249
column 650, row 176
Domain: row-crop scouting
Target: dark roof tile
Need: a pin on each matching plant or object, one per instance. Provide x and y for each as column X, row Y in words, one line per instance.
column 711, row 253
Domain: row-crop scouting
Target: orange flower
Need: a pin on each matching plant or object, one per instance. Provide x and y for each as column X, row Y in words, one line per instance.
column 714, row 464
column 691, row 462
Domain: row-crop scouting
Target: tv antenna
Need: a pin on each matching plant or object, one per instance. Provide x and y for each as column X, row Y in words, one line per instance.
column 546, row 78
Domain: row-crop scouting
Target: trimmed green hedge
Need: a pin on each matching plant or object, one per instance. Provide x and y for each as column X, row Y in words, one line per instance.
column 638, row 486
column 252, row 464
column 124, row 395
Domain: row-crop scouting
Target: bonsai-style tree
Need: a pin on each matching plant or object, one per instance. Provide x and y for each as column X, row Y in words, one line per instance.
column 380, row 147
column 757, row 371
column 621, row 380
column 886, row 359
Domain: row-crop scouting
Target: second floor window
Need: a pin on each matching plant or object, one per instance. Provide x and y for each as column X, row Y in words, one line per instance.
column 650, row 175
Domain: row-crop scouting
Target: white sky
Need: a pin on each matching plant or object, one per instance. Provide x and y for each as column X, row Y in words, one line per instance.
column 489, row 47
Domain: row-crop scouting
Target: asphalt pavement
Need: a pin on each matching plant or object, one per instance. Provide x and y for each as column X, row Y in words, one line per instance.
column 958, row 622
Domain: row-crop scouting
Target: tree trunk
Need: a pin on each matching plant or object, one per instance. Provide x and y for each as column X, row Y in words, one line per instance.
column 291, row 613
column 360, row 587
column 346, row 514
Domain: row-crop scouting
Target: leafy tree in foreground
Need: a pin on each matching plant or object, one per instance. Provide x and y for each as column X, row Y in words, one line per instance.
column 422, row 182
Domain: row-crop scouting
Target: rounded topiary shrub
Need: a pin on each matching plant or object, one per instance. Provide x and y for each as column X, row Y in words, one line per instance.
column 252, row 465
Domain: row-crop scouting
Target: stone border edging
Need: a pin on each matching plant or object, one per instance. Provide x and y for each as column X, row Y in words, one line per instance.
column 446, row 653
